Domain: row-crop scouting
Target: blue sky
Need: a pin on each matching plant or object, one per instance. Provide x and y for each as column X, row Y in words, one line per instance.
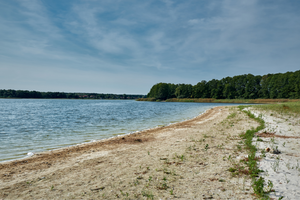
column 126, row 46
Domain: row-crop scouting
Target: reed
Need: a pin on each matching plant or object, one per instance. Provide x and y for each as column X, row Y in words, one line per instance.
column 282, row 108
column 212, row 100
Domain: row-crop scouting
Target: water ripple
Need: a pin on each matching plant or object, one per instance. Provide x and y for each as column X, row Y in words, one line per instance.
column 34, row 125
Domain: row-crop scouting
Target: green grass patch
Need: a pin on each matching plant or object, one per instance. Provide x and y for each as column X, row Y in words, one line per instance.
column 147, row 194
column 258, row 184
column 232, row 115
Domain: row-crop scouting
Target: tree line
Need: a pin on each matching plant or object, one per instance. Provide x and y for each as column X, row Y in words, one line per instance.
column 63, row 95
column 247, row 86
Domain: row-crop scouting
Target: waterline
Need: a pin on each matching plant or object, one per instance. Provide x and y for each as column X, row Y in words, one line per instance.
column 28, row 125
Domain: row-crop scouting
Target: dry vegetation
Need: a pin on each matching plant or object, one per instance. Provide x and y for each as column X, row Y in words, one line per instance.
column 211, row 100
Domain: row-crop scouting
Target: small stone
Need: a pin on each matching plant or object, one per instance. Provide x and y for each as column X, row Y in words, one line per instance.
column 276, row 151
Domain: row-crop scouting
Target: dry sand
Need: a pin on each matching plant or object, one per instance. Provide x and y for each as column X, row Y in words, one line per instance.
column 187, row 160
column 282, row 132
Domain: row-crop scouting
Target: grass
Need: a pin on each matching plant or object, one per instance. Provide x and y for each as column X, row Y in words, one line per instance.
column 282, row 108
column 206, row 147
column 275, row 165
column 147, row 194
column 232, row 115
column 258, row 184
column 146, row 99
column 171, row 192
column 164, row 180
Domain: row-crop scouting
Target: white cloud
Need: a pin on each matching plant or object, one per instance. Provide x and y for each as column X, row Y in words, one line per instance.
column 185, row 41
column 104, row 36
column 195, row 21
column 37, row 17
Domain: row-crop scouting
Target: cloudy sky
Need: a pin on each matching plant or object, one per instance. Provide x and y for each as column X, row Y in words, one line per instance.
column 126, row 46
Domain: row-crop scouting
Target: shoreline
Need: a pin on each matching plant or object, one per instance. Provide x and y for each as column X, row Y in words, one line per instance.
column 99, row 140
column 160, row 163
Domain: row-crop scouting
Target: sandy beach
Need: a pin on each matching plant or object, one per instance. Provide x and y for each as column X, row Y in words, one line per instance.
column 186, row 160
column 282, row 132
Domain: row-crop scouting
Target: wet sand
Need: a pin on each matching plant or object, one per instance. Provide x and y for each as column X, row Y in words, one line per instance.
column 186, row 160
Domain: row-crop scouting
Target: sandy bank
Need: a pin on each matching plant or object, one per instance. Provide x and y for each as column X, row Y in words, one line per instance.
column 282, row 132
column 187, row 160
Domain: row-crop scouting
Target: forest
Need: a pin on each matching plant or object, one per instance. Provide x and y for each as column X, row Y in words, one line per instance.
column 247, row 86
column 63, row 95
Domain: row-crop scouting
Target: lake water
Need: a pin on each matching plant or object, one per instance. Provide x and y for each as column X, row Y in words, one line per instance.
column 35, row 125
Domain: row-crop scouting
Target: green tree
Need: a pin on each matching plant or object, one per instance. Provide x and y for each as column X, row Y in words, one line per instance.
column 163, row 91
column 228, row 88
column 201, row 90
column 184, row 91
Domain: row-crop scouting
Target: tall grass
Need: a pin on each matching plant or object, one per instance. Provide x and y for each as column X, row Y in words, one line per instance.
column 146, row 99
column 282, row 108
column 212, row 100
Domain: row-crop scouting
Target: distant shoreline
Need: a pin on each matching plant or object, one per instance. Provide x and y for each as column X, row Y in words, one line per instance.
column 25, row 94
column 211, row 100
column 69, row 99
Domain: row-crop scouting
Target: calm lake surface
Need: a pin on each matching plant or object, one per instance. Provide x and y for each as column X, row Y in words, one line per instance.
column 35, row 125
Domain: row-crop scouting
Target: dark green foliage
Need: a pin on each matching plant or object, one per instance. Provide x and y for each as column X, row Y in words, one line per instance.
column 162, row 91
column 247, row 86
column 201, row 90
column 184, row 91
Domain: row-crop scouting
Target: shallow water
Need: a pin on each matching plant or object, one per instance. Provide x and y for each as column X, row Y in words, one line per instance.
column 35, row 125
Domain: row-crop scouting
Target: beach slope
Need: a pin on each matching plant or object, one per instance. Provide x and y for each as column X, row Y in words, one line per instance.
column 186, row 160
